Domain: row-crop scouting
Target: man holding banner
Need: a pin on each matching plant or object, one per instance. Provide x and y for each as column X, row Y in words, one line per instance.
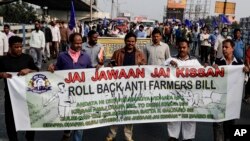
column 126, row 94
column 15, row 61
column 221, row 129
column 126, row 56
column 74, row 58
column 183, row 59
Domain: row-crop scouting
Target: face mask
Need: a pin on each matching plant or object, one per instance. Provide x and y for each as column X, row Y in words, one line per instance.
column 224, row 33
column 216, row 31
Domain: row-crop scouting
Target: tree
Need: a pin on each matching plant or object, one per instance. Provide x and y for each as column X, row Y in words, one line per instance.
column 235, row 25
column 18, row 13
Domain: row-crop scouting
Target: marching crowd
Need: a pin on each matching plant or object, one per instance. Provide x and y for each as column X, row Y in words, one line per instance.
column 79, row 49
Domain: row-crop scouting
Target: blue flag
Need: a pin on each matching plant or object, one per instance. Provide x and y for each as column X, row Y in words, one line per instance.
column 188, row 23
column 174, row 20
column 72, row 21
column 201, row 23
column 224, row 20
column 214, row 23
column 105, row 22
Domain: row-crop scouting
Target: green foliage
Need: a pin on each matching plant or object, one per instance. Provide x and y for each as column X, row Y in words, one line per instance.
column 235, row 25
column 18, row 13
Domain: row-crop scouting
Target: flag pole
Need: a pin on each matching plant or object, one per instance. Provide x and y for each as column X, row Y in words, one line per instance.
column 224, row 10
column 225, row 7
column 72, row 21
column 91, row 16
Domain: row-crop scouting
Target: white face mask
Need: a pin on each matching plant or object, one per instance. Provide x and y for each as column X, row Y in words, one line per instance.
column 224, row 34
column 216, row 31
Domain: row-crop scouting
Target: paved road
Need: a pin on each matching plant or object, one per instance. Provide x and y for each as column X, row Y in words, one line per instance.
column 142, row 132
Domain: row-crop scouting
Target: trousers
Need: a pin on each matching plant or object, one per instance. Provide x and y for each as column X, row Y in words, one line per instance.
column 10, row 124
column 36, row 54
column 128, row 132
column 188, row 129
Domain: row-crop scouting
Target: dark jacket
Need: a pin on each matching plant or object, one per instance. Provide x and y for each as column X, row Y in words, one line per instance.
column 47, row 34
column 64, row 61
column 119, row 54
column 222, row 61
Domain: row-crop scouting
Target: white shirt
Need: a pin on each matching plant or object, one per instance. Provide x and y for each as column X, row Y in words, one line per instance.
column 231, row 63
column 204, row 40
column 37, row 39
column 93, row 52
column 10, row 34
column 56, row 36
column 4, row 45
column 156, row 54
column 218, row 45
column 183, row 63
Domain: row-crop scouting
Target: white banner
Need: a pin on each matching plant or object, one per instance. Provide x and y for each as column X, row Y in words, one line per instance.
column 83, row 99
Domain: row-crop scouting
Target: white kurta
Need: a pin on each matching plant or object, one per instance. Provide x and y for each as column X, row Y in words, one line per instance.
column 188, row 128
column 4, row 45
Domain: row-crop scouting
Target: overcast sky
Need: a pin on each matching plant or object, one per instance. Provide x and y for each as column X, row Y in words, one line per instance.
column 154, row 9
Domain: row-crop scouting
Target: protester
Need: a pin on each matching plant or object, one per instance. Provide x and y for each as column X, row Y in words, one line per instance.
column 99, row 29
column 157, row 52
column 184, row 31
column 141, row 33
column 6, row 29
column 86, row 29
column 167, row 31
column 195, row 41
column 4, row 46
column 48, row 40
column 56, row 38
column 199, row 41
column 221, row 129
column 183, row 59
column 37, row 44
column 15, row 61
column 190, row 38
column 74, row 58
column 247, row 90
column 132, row 28
column 148, row 31
column 160, row 27
column 212, row 39
column 239, row 49
column 178, row 34
column 127, row 56
column 205, row 45
column 218, row 43
column 94, row 49
column 64, row 37
column 78, row 27
column 114, row 32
